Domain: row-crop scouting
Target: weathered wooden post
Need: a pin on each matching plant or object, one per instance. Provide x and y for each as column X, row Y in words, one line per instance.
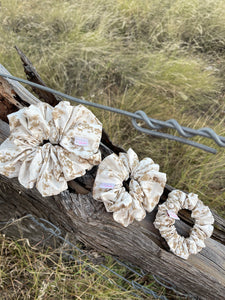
column 75, row 212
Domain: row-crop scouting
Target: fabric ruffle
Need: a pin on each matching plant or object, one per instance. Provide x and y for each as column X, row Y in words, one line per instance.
column 202, row 229
column 49, row 146
column 145, row 187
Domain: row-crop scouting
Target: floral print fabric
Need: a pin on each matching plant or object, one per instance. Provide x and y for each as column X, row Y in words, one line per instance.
column 145, row 187
column 202, row 229
column 49, row 146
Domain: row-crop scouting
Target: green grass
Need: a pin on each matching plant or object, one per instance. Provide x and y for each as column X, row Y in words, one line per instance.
column 164, row 57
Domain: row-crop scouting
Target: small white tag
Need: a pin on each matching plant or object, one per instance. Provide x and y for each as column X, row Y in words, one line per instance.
column 171, row 214
column 105, row 185
column 81, row 141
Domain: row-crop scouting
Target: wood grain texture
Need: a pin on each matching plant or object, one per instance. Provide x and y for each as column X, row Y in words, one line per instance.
column 18, row 90
column 8, row 103
column 86, row 220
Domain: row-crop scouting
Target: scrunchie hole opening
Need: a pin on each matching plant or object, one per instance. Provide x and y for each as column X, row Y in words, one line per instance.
column 184, row 230
column 126, row 184
column 46, row 142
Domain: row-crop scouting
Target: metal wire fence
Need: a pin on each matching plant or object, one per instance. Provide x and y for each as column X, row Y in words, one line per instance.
column 154, row 124
column 52, row 231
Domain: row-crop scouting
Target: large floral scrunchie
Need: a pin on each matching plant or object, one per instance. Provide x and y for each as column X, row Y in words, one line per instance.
column 146, row 185
column 49, row 146
column 165, row 219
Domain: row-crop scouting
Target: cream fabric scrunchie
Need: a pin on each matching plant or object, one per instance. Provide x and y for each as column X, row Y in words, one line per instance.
column 49, row 146
column 202, row 229
column 145, row 187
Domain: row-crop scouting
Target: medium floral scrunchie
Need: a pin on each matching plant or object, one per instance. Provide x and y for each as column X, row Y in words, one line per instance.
column 49, row 146
column 145, row 187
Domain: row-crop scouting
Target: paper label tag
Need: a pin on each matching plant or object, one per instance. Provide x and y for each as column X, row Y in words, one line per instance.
column 105, row 185
column 171, row 214
column 81, row 141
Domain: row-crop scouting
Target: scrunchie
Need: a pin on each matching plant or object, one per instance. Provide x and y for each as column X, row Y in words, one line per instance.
column 49, row 146
column 202, row 229
column 145, row 187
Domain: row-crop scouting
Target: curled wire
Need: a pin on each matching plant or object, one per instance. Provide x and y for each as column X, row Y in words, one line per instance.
column 184, row 131
column 154, row 124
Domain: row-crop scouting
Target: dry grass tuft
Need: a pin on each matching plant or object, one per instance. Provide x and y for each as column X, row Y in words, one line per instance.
column 28, row 272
